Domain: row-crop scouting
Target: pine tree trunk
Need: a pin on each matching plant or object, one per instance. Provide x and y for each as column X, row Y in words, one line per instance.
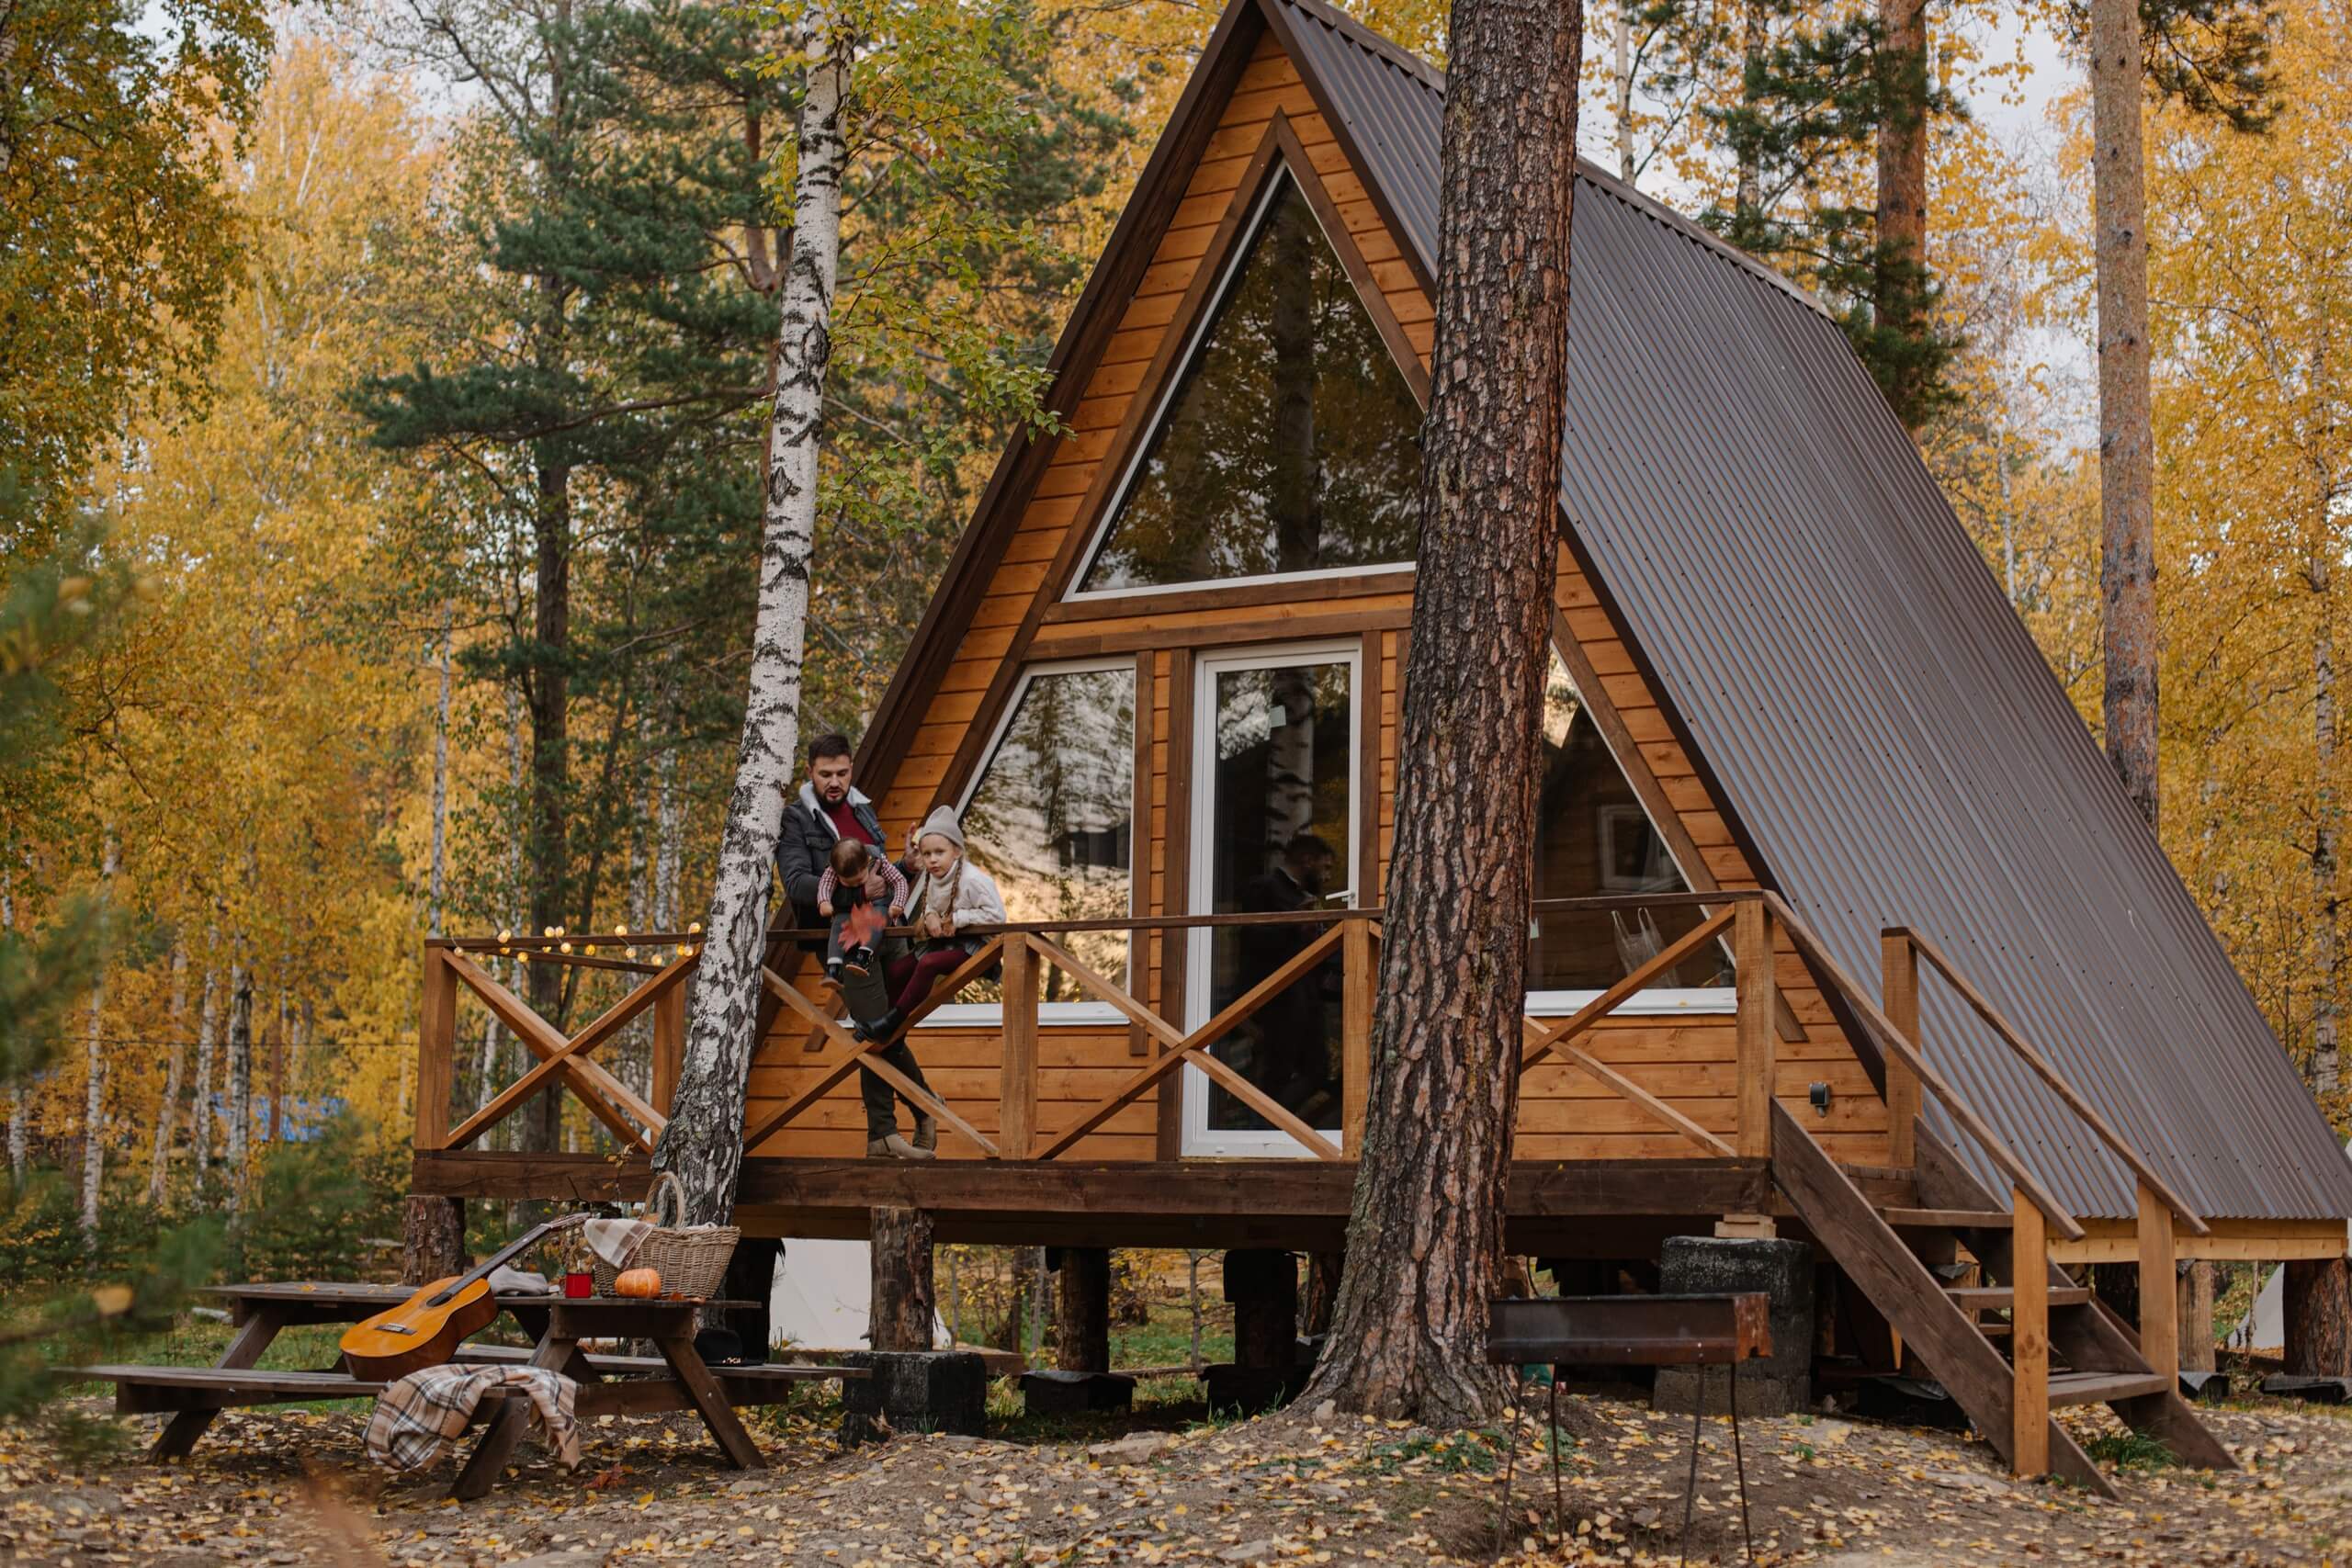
column 1426, row 1228
column 2317, row 1301
column 904, row 1310
column 94, row 1098
column 167, row 1112
column 550, row 697
column 433, row 1239
column 208, row 1024
column 240, row 1086
column 2127, row 435
column 1902, row 174
column 1083, row 1316
column 703, row 1140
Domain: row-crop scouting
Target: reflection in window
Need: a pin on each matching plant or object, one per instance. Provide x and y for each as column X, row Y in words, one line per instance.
column 1051, row 816
column 1593, row 838
column 1292, row 442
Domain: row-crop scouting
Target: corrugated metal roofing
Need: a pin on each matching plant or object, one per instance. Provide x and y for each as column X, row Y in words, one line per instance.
column 1879, row 723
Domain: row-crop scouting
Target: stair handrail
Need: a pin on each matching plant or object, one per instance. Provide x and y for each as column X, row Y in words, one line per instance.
column 2048, row 1073
column 1893, row 1041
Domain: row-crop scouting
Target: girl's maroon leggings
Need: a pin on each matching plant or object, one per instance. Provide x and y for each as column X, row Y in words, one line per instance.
column 911, row 978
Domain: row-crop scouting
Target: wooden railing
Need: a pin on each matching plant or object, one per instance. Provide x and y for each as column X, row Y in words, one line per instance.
column 1350, row 938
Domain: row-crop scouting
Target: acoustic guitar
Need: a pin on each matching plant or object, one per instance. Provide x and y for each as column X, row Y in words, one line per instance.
column 426, row 1329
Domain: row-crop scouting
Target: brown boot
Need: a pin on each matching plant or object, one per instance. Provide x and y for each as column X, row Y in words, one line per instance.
column 895, row 1148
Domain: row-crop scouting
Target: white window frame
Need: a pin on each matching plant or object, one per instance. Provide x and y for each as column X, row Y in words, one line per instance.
column 990, row 1015
column 1193, row 341
column 1198, row 1139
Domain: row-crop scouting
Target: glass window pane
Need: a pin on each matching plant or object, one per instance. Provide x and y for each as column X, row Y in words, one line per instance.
column 1281, row 806
column 1052, row 816
column 1592, row 838
column 1292, row 443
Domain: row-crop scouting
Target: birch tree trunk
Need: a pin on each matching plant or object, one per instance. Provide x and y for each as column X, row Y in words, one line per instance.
column 1425, row 1230
column 2126, row 434
column 168, row 1114
column 437, row 862
column 703, row 1140
column 94, row 1095
column 2326, row 830
column 1621, row 78
column 208, row 1025
column 19, row 1131
column 240, row 1074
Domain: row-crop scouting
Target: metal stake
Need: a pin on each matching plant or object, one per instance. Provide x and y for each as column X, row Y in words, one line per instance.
column 1511, row 1454
column 1559, row 1511
column 1690, row 1490
column 1739, row 1465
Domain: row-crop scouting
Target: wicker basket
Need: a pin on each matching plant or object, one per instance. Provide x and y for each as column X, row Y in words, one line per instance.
column 692, row 1263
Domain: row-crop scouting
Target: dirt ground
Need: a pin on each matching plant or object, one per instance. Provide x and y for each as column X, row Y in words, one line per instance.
column 295, row 1487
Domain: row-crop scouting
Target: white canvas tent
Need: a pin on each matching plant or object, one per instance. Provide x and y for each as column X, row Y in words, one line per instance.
column 822, row 1297
column 2265, row 1328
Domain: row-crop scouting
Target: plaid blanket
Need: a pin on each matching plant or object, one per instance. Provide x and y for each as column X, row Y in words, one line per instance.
column 417, row 1416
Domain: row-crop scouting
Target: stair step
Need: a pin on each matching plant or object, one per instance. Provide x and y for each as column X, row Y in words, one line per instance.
column 2000, row 1298
column 2097, row 1388
column 1945, row 1219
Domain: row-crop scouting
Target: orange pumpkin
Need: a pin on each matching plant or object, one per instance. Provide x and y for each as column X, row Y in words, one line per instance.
column 642, row 1283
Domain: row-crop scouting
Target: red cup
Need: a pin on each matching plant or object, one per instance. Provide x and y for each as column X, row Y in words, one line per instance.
column 576, row 1284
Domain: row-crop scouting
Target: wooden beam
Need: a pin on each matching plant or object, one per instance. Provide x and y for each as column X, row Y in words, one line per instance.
column 436, row 1045
column 2030, row 1341
column 1017, row 1113
column 2159, row 1303
column 1752, row 957
column 1357, row 981
column 1899, row 995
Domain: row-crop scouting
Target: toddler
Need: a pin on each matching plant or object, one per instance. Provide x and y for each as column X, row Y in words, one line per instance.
column 841, row 897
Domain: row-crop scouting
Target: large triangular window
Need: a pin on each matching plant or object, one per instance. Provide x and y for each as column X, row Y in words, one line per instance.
column 1593, row 838
column 1290, row 443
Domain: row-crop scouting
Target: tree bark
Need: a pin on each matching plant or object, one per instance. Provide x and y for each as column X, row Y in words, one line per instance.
column 1425, row 1229
column 905, row 1306
column 703, row 1140
column 240, row 1097
column 2326, row 830
column 2318, row 1302
column 1903, row 171
column 207, row 1026
column 2194, row 1300
column 167, row 1111
column 2126, row 433
column 94, row 1097
column 551, row 708
column 1082, row 1311
column 436, row 862
column 433, row 1239
column 1323, row 1272
column 1621, row 78
column 19, row 1130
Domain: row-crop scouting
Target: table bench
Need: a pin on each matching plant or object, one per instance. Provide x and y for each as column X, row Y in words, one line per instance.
column 677, row 1379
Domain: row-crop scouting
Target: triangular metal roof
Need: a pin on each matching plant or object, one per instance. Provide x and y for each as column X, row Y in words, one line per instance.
column 1881, row 730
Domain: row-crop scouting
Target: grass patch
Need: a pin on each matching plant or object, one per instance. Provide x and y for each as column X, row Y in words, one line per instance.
column 2128, row 1450
column 1455, row 1453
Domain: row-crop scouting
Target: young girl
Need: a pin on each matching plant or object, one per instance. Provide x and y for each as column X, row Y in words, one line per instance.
column 951, row 893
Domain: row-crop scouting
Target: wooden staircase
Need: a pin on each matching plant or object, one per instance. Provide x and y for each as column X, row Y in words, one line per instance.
column 2064, row 1347
column 2058, row 1344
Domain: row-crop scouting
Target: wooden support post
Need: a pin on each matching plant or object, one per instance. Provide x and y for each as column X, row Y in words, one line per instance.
column 1017, row 1115
column 1263, row 1285
column 2196, row 1318
column 1356, row 985
column 1899, row 993
column 1759, row 1037
column 904, row 1306
column 2030, row 1338
column 2159, row 1303
column 670, row 1045
column 437, row 1052
column 1082, row 1309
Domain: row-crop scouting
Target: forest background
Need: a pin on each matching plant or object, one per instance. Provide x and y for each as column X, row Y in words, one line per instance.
column 398, row 377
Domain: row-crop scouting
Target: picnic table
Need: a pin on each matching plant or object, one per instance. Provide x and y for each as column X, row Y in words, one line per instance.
column 677, row 1379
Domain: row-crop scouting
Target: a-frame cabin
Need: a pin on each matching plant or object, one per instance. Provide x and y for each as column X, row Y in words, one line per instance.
column 1791, row 715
